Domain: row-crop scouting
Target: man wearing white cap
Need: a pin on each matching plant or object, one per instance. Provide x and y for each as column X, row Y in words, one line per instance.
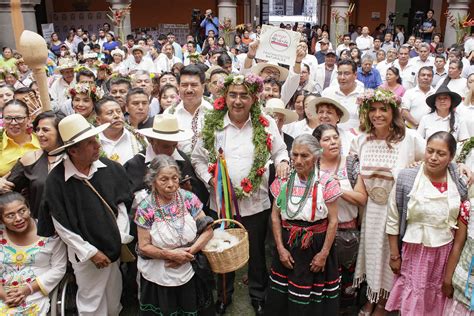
column 83, row 204
column 138, row 62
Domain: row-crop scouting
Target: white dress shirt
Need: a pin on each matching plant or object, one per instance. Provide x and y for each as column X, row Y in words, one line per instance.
column 466, row 112
column 414, row 100
column 365, row 43
column 185, row 120
column 408, row 74
column 58, row 92
column 131, row 65
column 164, row 64
column 456, row 85
column 432, row 123
column 122, row 149
column 239, row 154
column 382, row 67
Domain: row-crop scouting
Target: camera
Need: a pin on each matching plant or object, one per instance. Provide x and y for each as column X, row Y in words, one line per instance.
column 392, row 16
column 419, row 15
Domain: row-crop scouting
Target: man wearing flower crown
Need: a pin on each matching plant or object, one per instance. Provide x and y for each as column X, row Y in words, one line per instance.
column 239, row 140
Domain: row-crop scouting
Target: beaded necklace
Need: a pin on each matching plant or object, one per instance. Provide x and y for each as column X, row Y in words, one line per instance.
column 302, row 202
column 171, row 223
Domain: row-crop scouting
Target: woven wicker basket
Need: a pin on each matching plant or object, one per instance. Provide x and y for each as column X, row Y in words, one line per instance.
column 233, row 258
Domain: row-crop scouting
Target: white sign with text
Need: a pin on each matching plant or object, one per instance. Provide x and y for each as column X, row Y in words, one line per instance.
column 278, row 45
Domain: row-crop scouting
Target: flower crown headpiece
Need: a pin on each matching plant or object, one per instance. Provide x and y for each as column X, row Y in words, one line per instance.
column 252, row 82
column 90, row 89
column 378, row 95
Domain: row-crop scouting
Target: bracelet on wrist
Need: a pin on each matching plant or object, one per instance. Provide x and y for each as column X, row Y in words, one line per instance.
column 297, row 62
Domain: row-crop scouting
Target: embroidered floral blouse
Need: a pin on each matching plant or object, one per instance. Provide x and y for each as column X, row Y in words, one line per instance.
column 169, row 228
column 44, row 260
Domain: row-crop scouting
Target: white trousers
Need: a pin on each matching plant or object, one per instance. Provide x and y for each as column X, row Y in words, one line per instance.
column 99, row 290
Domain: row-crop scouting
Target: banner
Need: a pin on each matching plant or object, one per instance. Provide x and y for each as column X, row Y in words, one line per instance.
column 47, row 30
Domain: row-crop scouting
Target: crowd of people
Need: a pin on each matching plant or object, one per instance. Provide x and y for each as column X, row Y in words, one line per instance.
column 354, row 165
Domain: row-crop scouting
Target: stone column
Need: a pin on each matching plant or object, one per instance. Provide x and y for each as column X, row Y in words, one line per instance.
column 227, row 9
column 342, row 7
column 456, row 7
column 127, row 25
column 29, row 20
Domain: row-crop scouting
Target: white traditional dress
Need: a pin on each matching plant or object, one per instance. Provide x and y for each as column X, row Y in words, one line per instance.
column 43, row 261
column 379, row 167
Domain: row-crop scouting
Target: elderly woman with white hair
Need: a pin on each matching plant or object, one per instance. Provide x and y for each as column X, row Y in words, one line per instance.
column 170, row 233
column 304, row 278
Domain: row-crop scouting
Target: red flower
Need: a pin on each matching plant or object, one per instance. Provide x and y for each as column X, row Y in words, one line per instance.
column 212, row 168
column 246, row 185
column 28, row 280
column 15, row 283
column 41, row 243
column 3, row 241
column 3, row 281
column 269, row 142
column 261, row 171
column 219, row 104
column 264, row 121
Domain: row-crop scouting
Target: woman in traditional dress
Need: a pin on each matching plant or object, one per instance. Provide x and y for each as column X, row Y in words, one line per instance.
column 384, row 148
column 32, row 266
column 31, row 170
column 345, row 169
column 422, row 212
column 166, row 219
column 118, row 56
column 304, row 278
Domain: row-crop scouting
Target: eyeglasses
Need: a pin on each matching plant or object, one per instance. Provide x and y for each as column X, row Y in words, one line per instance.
column 18, row 119
column 11, row 216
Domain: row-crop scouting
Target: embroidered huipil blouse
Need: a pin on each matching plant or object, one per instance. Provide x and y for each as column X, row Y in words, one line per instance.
column 169, row 228
column 328, row 190
column 43, row 261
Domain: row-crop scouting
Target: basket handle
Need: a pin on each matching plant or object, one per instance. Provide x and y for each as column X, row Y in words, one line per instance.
column 217, row 221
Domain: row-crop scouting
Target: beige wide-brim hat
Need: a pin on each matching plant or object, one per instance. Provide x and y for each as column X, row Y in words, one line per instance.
column 166, row 127
column 138, row 47
column 118, row 51
column 75, row 128
column 89, row 56
column 257, row 69
column 313, row 102
column 275, row 105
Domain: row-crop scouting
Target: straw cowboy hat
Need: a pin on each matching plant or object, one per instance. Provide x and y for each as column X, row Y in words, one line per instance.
column 166, row 127
column 138, row 47
column 257, row 69
column 455, row 98
column 66, row 63
column 75, row 128
column 313, row 102
column 275, row 105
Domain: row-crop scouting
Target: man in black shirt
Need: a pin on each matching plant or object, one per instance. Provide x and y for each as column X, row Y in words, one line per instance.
column 428, row 26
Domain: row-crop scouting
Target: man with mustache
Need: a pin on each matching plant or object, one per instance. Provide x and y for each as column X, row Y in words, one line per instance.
column 190, row 111
column 118, row 141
